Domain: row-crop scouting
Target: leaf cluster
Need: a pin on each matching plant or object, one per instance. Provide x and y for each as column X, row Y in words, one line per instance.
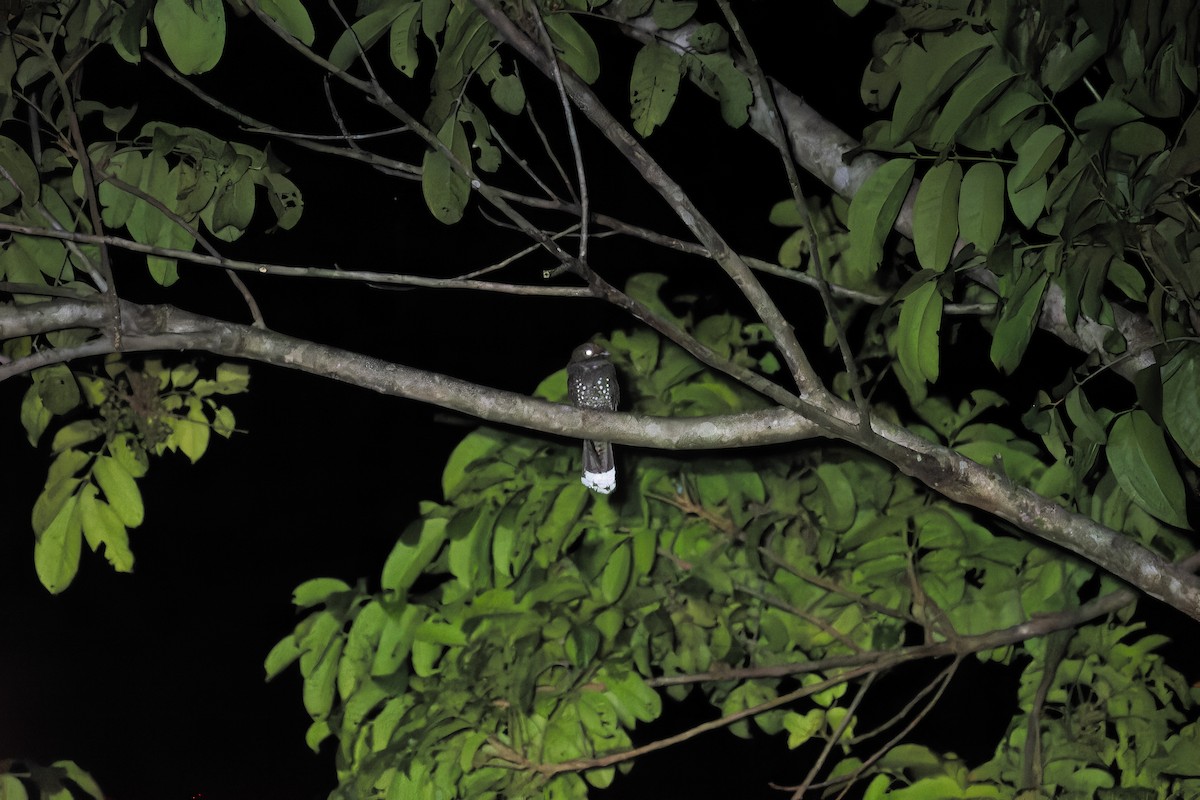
column 121, row 418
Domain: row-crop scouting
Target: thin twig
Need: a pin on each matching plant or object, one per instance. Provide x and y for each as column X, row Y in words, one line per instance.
column 789, row 165
column 194, row 232
column 847, row 718
column 572, row 135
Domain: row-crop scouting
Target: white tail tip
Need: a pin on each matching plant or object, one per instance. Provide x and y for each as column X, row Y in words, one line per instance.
column 602, row 482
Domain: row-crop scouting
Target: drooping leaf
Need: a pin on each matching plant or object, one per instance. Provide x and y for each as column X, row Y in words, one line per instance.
column 291, row 16
column 120, row 489
column 979, row 89
column 1018, row 320
column 917, row 345
column 575, row 45
column 873, row 212
column 1181, row 399
column 981, row 205
column 364, row 33
column 653, row 86
column 446, row 189
column 102, row 526
column 25, row 184
column 935, row 216
column 56, row 550
column 717, row 75
column 1141, row 461
column 403, row 40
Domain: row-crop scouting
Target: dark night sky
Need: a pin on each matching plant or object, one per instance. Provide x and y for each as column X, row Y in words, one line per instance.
column 153, row 681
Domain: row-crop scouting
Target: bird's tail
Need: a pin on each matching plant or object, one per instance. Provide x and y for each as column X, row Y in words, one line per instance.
column 599, row 468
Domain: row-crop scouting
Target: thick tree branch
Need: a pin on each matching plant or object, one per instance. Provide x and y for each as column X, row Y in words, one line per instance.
column 951, row 474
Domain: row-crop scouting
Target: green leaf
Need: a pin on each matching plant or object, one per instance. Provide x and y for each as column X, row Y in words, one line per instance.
column 1028, row 203
column 192, row 32
column 79, row 777
column 1142, row 465
column 282, row 655
column 873, row 212
column 57, row 388
column 653, row 86
column 34, row 415
column 1018, row 320
column 935, row 216
column 575, row 45
column 416, row 548
column 917, row 344
column 1035, row 156
column 980, row 88
column 102, row 526
column 120, row 489
column 76, row 433
column 317, row 590
column 291, row 16
column 670, row 14
column 403, row 39
column 446, row 189
column 851, row 7
column 191, row 432
column 981, row 205
column 56, row 551
column 1180, row 399
column 717, row 74
column 364, row 33
column 1139, row 139
column 24, row 175
column 319, row 683
column 615, row 577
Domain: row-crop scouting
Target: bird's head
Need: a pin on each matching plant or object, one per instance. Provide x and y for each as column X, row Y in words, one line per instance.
column 587, row 352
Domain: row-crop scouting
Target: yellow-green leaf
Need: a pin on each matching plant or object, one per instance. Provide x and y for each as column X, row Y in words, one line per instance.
column 120, row 489
column 56, row 551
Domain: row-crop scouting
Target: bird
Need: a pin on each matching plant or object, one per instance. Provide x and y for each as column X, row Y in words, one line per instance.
column 592, row 383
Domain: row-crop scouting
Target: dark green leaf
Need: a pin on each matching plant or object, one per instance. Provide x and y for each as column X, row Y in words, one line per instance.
column 192, row 32
column 445, row 188
column 981, row 205
column 1181, row 400
column 291, row 16
column 670, row 14
column 575, row 46
column 873, row 212
column 1141, row 462
column 1018, row 320
column 1035, row 156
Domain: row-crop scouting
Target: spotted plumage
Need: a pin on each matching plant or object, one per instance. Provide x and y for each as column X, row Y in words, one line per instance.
column 592, row 383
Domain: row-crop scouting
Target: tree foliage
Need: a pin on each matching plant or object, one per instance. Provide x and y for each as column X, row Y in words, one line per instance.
column 1038, row 163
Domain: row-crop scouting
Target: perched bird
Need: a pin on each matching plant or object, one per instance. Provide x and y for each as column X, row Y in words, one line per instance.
column 592, row 383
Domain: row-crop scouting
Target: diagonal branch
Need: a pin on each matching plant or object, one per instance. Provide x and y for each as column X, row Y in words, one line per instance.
column 836, row 159
column 809, row 384
column 951, row 474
